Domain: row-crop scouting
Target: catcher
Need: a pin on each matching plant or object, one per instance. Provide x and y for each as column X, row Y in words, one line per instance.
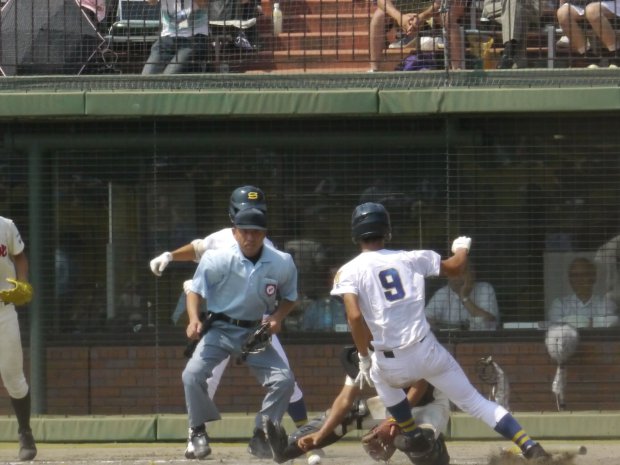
column 430, row 408
column 14, row 290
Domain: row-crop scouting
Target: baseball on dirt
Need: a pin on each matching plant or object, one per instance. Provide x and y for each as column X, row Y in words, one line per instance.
column 314, row 459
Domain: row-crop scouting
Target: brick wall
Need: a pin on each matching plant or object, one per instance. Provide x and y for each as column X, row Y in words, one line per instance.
column 142, row 380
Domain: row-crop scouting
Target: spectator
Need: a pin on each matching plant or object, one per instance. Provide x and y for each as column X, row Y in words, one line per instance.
column 582, row 308
column 400, row 14
column 514, row 16
column 325, row 313
column 464, row 303
column 183, row 39
column 608, row 256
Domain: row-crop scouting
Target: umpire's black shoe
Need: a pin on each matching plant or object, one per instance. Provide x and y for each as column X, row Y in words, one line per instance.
column 259, row 446
column 416, row 444
column 197, row 445
column 27, row 447
column 536, row 452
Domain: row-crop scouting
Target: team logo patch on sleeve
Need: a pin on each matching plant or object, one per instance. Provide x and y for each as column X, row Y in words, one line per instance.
column 270, row 289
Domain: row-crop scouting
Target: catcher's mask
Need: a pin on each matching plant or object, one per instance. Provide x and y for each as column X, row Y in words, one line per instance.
column 561, row 341
column 257, row 341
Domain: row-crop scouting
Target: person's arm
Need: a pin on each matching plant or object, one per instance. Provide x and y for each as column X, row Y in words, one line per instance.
column 340, row 408
column 193, row 303
column 472, row 307
column 405, row 21
column 21, row 266
column 416, row 392
column 455, row 265
column 184, row 253
column 359, row 329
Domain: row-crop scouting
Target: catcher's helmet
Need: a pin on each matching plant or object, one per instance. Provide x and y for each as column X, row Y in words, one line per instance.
column 244, row 197
column 370, row 220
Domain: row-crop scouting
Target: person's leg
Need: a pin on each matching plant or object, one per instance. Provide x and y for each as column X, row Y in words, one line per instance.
column 14, row 380
column 183, row 49
column 568, row 18
column 216, row 376
column 297, row 405
column 599, row 18
column 454, row 44
column 376, row 38
column 159, row 56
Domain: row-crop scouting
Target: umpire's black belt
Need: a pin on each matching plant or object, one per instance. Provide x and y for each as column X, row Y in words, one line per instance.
column 390, row 353
column 235, row 321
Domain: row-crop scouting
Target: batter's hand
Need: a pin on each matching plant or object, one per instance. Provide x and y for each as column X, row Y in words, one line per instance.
column 364, row 375
column 462, row 242
column 159, row 264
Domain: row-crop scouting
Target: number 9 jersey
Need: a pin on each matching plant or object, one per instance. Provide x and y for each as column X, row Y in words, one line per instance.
column 390, row 288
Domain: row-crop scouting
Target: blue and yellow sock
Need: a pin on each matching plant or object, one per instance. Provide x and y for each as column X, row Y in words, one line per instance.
column 298, row 412
column 510, row 428
column 402, row 415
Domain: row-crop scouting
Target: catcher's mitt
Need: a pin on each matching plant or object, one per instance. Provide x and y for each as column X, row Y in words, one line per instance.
column 21, row 294
column 379, row 441
column 257, row 341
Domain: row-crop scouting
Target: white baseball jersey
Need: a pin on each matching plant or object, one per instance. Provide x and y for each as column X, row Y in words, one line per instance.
column 389, row 285
column 217, row 240
column 10, row 244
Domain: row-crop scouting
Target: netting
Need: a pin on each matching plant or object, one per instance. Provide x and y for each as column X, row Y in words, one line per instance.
column 115, row 37
column 96, row 201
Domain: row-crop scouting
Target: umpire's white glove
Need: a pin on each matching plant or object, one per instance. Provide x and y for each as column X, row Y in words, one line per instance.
column 186, row 286
column 159, row 264
column 462, row 242
column 364, row 374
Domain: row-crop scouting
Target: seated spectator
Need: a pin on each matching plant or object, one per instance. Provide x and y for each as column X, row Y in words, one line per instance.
column 410, row 19
column 464, row 303
column 183, row 39
column 514, row 16
column 582, row 308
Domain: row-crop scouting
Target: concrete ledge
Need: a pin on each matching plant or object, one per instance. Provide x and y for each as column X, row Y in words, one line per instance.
column 238, row 427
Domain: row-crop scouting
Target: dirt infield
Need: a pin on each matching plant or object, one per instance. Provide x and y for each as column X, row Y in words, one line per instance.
column 345, row 453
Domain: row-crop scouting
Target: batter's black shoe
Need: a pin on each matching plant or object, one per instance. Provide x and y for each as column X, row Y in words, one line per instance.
column 536, row 452
column 27, row 447
column 197, row 445
column 278, row 440
column 259, row 446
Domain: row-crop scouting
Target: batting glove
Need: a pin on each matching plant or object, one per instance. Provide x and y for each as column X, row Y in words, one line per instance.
column 364, row 375
column 159, row 264
column 186, row 286
column 462, row 242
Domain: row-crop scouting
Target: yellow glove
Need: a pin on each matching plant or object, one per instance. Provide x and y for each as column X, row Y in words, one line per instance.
column 21, row 294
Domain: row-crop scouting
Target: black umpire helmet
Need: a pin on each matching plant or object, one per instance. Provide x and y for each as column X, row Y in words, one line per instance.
column 244, row 197
column 370, row 220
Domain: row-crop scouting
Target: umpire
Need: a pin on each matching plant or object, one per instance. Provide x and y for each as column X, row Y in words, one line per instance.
column 240, row 285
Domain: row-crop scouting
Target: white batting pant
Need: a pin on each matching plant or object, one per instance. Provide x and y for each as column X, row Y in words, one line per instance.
column 214, row 381
column 11, row 355
column 429, row 360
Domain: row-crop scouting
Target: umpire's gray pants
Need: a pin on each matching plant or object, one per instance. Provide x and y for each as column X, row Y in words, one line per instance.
column 222, row 340
column 514, row 15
